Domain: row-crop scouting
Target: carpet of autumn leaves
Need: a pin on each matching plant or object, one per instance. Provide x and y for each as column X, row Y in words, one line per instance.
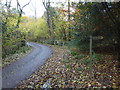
column 66, row 70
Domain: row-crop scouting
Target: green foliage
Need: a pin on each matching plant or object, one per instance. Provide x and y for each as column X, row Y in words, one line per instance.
column 37, row 30
column 11, row 37
column 73, row 53
column 73, row 29
column 16, row 56
column 66, row 61
column 92, row 19
column 90, row 61
column 96, row 57
column 80, row 56
column 23, row 49
column 34, row 29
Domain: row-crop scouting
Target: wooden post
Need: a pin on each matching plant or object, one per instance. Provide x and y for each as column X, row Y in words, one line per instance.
column 90, row 46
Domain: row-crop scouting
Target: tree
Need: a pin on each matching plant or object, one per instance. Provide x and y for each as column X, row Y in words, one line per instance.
column 11, row 37
column 114, row 17
column 20, row 11
column 69, row 36
column 47, row 7
column 93, row 19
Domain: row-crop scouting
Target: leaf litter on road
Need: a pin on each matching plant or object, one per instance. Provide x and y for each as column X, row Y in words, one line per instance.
column 63, row 70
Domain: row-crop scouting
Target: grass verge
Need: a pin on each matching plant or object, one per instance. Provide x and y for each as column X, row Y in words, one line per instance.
column 14, row 57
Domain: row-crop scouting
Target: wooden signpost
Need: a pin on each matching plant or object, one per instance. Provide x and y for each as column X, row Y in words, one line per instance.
column 97, row 37
column 91, row 41
column 90, row 47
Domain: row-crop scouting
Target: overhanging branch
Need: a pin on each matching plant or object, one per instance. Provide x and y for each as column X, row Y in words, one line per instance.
column 26, row 4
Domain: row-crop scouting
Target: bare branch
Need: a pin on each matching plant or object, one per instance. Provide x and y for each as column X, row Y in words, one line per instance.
column 26, row 4
column 44, row 4
column 20, row 10
column 19, row 6
column 9, row 4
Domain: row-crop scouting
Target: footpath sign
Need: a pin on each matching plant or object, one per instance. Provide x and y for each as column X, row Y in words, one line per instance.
column 91, row 41
column 97, row 37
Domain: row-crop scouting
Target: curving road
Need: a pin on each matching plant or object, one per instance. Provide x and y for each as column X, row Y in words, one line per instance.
column 23, row 68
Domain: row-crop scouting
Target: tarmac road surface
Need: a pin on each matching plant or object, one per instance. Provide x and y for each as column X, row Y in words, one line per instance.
column 23, row 68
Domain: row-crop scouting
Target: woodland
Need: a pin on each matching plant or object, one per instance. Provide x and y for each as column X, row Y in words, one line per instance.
column 71, row 25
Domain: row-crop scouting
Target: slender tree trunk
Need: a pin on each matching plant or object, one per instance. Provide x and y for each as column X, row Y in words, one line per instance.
column 18, row 21
column 47, row 7
column 69, row 33
column 64, row 34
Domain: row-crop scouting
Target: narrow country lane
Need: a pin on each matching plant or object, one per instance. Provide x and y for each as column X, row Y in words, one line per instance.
column 23, row 68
